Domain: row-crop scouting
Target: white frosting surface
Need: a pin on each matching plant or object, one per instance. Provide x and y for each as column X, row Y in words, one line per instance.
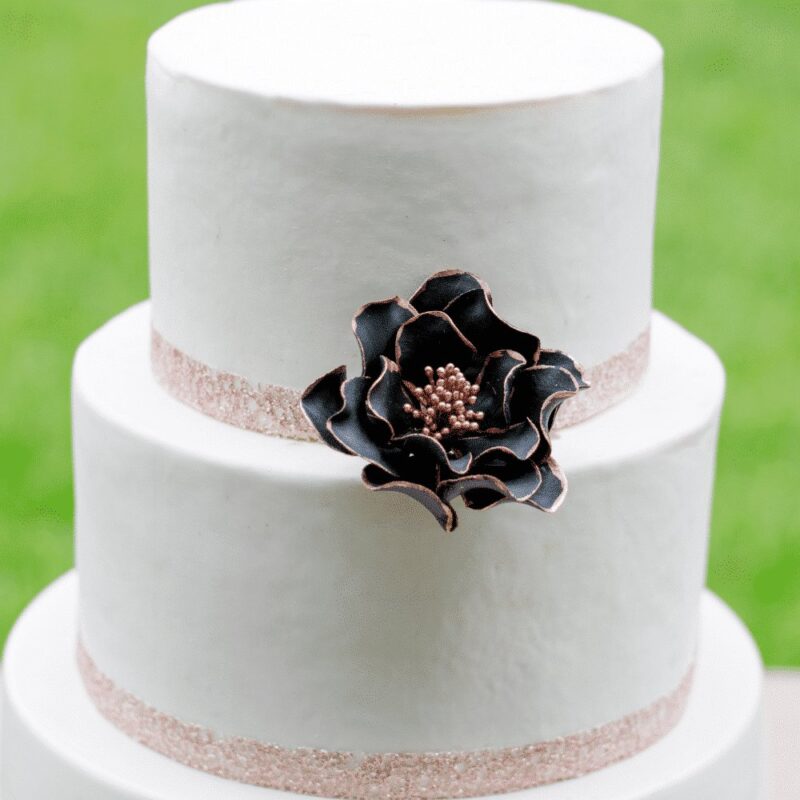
column 57, row 746
column 251, row 584
column 298, row 168
column 407, row 53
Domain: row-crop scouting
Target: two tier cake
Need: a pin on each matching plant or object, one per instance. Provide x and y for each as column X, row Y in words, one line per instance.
column 518, row 604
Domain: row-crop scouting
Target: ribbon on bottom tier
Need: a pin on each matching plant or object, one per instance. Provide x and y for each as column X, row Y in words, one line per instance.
column 276, row 410
column 389, row 776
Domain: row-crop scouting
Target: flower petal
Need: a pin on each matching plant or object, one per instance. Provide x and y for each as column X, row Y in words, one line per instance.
column 443, row 287
column 322, row 400
column 555, row 358
column 387, row 396
column 455, row 487
column 520, row 478
column 550, row 495
column 539, row 391
column 508, row 479
column 430, row 339
column 379, row 480
column 496, row 381
column 519, row 441
column 474, row 316
column 357, row 432
column 375, row 326
column 483, row 499
column 517, row 480
column 428, row 450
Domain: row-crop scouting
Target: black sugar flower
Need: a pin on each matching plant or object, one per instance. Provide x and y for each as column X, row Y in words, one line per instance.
column 452, row 401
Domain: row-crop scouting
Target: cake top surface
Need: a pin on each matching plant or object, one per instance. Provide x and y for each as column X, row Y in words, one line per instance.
column 404, row 53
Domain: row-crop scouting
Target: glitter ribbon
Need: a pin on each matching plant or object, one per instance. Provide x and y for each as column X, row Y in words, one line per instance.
column 388, row 776
column 276, row 410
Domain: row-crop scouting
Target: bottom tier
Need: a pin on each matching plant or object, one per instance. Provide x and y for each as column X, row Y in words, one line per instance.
column 55, row 745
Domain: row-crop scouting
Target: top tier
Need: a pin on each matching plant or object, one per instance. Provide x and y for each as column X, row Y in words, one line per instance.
column 306, row 157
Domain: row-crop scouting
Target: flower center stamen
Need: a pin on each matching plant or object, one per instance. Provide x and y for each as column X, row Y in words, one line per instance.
column 444, row 403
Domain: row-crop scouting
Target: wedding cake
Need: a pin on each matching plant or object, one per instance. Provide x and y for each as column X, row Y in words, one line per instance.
column 460, row 554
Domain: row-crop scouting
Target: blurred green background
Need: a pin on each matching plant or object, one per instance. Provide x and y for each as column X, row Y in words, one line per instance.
column 73, row 253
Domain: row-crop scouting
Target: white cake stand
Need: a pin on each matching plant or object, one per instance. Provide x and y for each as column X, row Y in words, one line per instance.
column 57, row 746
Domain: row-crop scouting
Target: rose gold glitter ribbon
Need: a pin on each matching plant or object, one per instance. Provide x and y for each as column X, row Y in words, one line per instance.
column 609, row 382
column 388, row 776
column 276, row 410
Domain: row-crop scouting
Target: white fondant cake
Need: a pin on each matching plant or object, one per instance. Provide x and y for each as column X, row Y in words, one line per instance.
column 356, row 625
column 245, row 606
column 299, row 170
column 58, row 746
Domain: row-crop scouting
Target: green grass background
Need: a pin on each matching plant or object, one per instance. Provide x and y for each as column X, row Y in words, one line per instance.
column 73, row 253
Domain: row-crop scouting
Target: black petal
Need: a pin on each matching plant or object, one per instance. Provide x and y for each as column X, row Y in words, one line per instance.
column 551, row 493
column 375, row 326
column 498, row 478
column 322, row 400
column 381, row 481
column 432, row 340
column 443, row 287
column 496, row 381
column 520, row 478
column 555, row 358
column 428, row 451
column 539, row 391
column 519, row 441
column 483, row 499
column 456, row 487
column 357, row 432
column 387, row 396
column 474, row 316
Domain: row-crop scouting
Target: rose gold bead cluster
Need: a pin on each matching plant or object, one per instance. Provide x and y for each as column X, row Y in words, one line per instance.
column 443, row 403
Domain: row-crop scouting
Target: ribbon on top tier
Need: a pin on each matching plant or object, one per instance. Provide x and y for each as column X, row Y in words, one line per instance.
column 387, row 776
column 276, row 410
column 451, row 402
